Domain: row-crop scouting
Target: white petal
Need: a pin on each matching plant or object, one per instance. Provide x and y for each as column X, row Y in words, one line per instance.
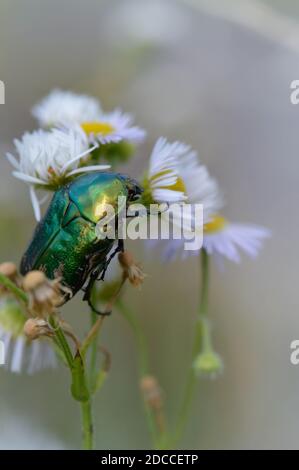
column 28, row 178
column 78, row 157
column 86, row 169
column 167, row 195
column 17, row 355
column 35, row 203
column 13, row 161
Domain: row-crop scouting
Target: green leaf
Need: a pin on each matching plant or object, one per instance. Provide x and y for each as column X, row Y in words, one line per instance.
column 79, row 389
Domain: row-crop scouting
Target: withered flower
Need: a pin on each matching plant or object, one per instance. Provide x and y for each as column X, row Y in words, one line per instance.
column 34, row 328
column 45, row 295
column 131, row 269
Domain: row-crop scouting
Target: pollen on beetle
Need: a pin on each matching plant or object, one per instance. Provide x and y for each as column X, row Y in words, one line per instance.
column 132, row 270
column 44, row 295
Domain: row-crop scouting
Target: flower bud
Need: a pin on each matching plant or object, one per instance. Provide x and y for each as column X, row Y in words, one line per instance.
column 10, row 271
column 131, row 269
column 44, row 295
column 152, row 393
column 208, row 363
column 34, row 328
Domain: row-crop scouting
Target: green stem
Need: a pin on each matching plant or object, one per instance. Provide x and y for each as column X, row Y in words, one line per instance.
column 143, row 366
column 87, row 426
column 63, row 344
column 197, row 344
column 139, row 336
column 61, row 340
column 6, row 282
column 93, row 354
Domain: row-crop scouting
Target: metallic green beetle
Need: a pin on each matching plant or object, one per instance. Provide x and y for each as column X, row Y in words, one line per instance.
column 65, row 244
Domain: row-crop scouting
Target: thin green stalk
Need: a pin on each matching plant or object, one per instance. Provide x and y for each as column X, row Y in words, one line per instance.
column 143, row 365
column 197, row 344
column 6, row 282
column 139, row 336
column 93, row 354
column 62, row 341
column 87, row 426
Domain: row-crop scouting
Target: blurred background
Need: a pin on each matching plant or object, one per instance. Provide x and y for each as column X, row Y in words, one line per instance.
column 217, row 75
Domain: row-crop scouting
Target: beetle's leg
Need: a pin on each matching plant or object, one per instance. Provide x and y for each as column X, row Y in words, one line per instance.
column 118, row 249
column 94, row 276
column 95, row 310
column 88, row 291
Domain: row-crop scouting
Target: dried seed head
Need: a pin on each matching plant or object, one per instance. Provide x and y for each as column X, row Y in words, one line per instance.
column 44, row 295
column 36, row 327
column 152, row 393
column 33, row 280
column 131, row 269
column 9, row 270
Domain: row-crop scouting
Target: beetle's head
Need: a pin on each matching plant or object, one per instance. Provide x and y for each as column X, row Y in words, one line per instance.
column 134, row 188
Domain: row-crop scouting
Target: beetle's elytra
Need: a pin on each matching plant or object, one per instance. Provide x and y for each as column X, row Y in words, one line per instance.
column 64, row 244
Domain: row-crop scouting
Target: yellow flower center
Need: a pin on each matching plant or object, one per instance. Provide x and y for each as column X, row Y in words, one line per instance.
column 97, row 127
column 179, row 185
column 216, row 224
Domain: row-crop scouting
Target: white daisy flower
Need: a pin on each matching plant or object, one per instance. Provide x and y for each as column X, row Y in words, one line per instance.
column 200, row 187
column 163, row 183
column 22, row 355
column 113, row 127
column 47, row 160
column 191, row 184
column 225, row 239
column 65, row 107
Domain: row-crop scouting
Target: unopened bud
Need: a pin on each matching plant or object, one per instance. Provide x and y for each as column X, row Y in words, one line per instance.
column 152, row 393
column 10, row 271
column 208, row 364
column 34, row 328
column 131, row 269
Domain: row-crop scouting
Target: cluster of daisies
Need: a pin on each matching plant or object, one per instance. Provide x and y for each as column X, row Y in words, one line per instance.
column 76, row 136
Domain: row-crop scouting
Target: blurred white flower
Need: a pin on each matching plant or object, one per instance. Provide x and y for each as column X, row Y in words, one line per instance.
column 46, row 160
column 225, row 239
column 113, row 127
column 65, row 107
column 68, row 109
column 155, row 23
column 22, row 355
